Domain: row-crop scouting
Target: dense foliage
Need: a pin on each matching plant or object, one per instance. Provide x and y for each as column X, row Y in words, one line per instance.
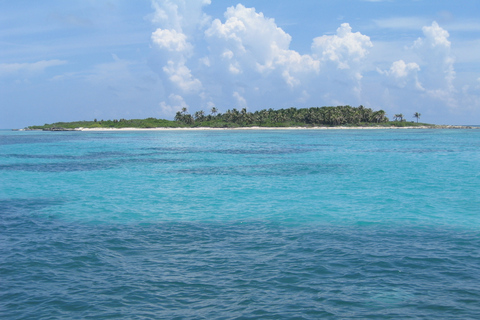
column 329, row 116
column 305, row 117
column 122, row 123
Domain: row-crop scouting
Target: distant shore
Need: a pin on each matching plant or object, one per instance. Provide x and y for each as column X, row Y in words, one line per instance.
column 259, row 128
column 314, row 118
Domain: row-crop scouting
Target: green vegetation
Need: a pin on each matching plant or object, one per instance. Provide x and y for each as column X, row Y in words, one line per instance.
column 122, row 123
column 417, row 115
column 324, row 116
column 291, row 117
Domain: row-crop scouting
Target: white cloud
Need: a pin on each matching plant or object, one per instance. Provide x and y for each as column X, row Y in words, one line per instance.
column 181, row 75
column 179, row 19
column 181, row 23
column 400, row 69
column 250, row 41
column 343, row 48
column 431, row 73
column 435, row 36
column 171, row 40
column 293, row 63
column 246, row 28
column 437, row 63
column 403, row 72
column 246, row 59
column 342, row 56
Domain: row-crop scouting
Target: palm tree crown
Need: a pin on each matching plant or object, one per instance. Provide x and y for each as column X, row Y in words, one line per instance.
column 417, row 115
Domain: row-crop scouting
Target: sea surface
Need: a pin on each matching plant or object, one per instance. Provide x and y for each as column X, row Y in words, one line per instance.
column 267, row 224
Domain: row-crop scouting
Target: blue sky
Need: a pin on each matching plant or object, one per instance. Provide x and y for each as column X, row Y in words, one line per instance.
column 111, row 59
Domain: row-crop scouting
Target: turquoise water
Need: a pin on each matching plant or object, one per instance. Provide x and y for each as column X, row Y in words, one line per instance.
column 281, row 224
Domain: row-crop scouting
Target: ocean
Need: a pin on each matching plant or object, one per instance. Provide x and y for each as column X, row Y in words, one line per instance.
column 240, row 224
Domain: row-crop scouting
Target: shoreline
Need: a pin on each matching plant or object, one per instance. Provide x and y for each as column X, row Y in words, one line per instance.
column 273, row 128
column 251, row 128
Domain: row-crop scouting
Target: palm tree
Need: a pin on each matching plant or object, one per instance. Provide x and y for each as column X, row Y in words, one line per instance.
column 199, row 115
column 214, row 111
column 417, row 115
column 379, row 116
column 178, row 116
column 188, row 119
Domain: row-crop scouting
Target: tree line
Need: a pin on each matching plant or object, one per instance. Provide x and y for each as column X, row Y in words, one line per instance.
column 334, row 116
column 305, row 117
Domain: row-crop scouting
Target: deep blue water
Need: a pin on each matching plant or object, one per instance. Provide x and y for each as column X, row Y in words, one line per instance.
column 307, row 224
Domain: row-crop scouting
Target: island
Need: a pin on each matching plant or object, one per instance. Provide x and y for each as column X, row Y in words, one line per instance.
column 315, row 117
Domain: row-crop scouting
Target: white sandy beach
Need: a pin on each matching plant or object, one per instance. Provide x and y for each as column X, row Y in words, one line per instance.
column 267, row 128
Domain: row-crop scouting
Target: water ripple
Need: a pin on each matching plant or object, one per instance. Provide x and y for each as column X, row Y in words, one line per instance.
column 252, row 270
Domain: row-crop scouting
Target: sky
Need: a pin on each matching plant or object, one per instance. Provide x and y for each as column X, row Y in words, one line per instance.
column 111, row 59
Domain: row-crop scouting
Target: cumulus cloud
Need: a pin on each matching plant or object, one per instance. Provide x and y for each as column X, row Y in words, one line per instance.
column 344, row 48
column 403, row 73
column 400, row 69
column 248, row 40
column 245, row 59
column 437, row 63
column 180, row 75
column 170, row 40
column 435, row 36
column 342, row 56
column 244, row 27
column 430, row 71
column 179, row 22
